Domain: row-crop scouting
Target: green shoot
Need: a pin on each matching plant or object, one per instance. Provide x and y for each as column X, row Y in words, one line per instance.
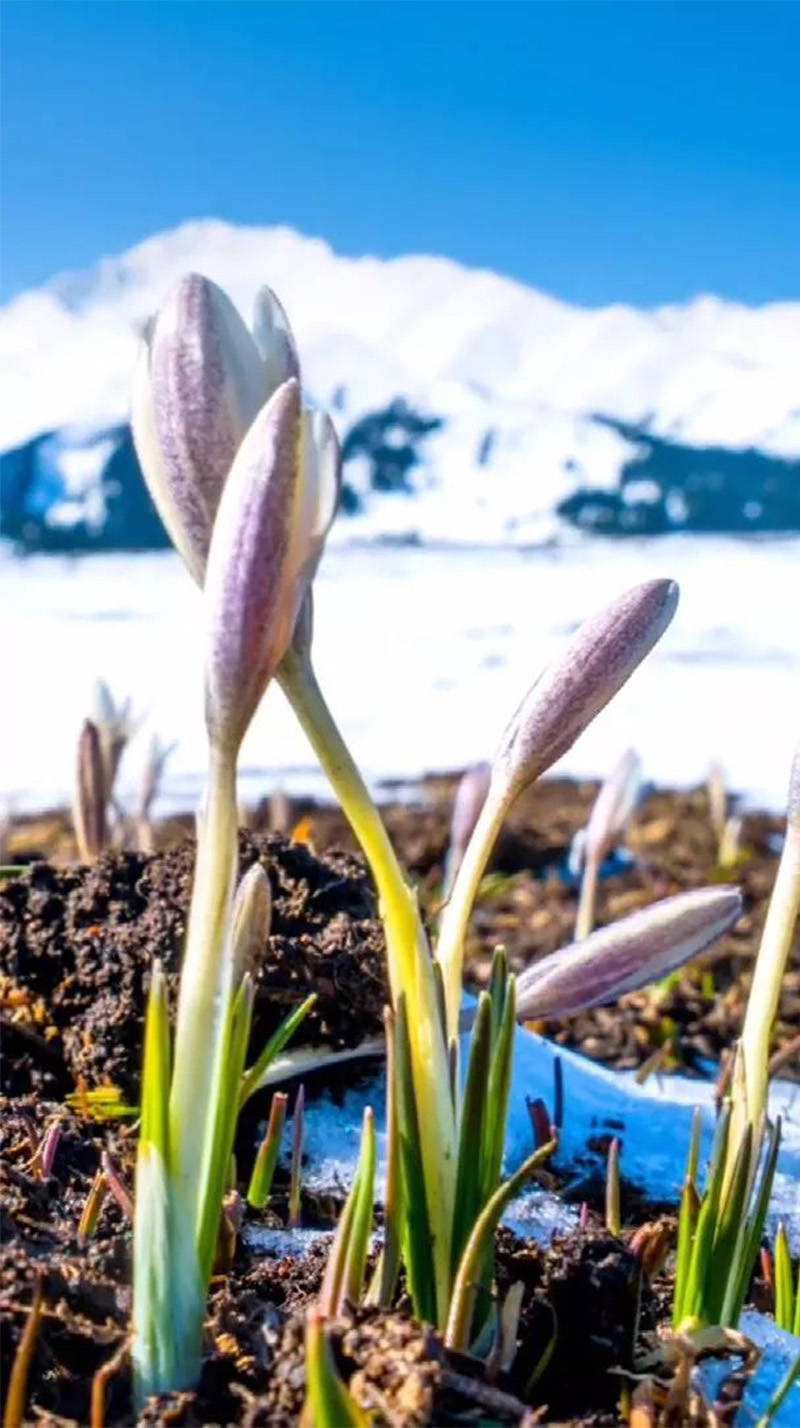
column 266, row 1159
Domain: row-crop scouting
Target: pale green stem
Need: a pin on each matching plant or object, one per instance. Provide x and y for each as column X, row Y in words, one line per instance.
column 773, row 953
column 202, row 988
column 410, row 965
column 455, row 918
column 585, row 919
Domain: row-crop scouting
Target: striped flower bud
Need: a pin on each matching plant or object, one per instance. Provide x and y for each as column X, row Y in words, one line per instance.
column 275, row 510
column 89, row 803
column 469, row 800
column 628, row 954
column 200, row 380
column 613, row 806
column 568, row 695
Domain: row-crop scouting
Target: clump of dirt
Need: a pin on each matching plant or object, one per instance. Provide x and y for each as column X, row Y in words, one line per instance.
column 77, row 946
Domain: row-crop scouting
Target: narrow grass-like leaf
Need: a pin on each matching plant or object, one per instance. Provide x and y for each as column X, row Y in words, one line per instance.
column 266, row 1159
column 416, row 1223
column 731, row 1218
column 687, row 1223
column 252, row 1078
column 218, row 1147
column 364, row 1197
column 750, row 1235
column 470, row 1173
column 784, row 1290
column 296, row 1165
column 384, row 1279
column 498, row 1089
column 613, row 1205
column 467, row 1278
column 17, row 1387
column 328, row 1402
column 707, row 1219
column 343, row 1282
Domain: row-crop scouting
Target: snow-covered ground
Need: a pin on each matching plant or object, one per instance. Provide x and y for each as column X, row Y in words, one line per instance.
column 423, row 653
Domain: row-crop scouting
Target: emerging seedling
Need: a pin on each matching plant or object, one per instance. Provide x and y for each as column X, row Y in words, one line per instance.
column 608, row 821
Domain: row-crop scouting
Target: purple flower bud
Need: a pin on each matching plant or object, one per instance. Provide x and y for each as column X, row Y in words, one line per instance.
column 568, row 695
column 274, row 513
column 200, row 380
column 628, row 954
column 469, row 800
column 89, row 804
column 613, row 806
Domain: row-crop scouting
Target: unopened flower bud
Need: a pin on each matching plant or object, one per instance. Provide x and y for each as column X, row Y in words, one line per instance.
column 628, row 954
column 568, row 695
column 89, row 806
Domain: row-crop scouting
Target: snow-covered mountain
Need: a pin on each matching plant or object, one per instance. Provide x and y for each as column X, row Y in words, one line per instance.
column 473, row 407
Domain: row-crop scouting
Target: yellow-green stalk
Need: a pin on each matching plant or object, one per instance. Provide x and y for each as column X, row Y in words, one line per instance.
column 773, row 953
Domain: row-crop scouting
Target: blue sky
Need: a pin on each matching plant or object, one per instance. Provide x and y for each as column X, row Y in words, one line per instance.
column 635, row 150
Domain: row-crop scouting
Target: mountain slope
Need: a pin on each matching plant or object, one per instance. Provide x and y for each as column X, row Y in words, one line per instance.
column 516, row 377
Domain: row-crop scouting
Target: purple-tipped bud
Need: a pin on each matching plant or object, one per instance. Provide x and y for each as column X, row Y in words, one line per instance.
column 628, row 954
column 274, row 513
column 89, row 807
column 199, row 382
column 252, row 915
column 469, row 800
column 568, row 695
column 613, row 806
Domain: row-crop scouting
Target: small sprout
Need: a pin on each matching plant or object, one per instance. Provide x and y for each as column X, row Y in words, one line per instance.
column 613, row 1201
column 608, row 821
column 344, row 1273
column 17, row 1389
column 329, row 1404
column 91, row 796
column 115, row 727
column 717, row 791
column 252, row 916
column 628, row 954
column 117, row 1186
column 787, row 1295
column 149, row 788
column 92, row 1206
column 730, row 845
column 47, row 1151
column 540, row 1120
column 295, row 1168
column 469, row 800
column 266, row 1159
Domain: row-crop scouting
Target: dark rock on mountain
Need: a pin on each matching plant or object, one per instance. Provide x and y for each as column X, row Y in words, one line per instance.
column 667, row 486
column 77, row 491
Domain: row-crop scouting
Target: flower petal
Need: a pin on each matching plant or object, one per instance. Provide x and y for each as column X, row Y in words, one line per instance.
column 275, row 341
column 198, row 385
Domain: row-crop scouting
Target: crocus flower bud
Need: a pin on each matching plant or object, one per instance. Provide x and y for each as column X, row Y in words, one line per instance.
column 200, row 380
column 613, row 806
column 568, row 695
column 252, row 915
column 89, row 808
column 275, row 509
column 628, row 954
column 469, row 800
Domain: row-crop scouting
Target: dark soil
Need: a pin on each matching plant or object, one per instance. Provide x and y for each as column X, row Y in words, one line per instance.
column 76, row 948
column 77, row 945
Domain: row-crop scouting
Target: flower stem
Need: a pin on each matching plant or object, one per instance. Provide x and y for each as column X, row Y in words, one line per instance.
column 408, row 955
column 455, row 918
column 202, row 997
